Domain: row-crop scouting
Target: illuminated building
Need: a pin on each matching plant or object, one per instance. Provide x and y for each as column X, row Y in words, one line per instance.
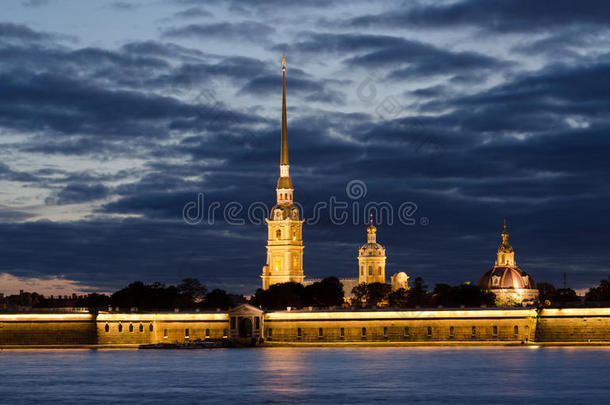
column 371, row 258
column 284, row 225
column 510, row 284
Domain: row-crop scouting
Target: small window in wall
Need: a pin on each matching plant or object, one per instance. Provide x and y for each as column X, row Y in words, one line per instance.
column 451, row 331
column 429, row 331
column 474, row 331
column 406, row 331
column 342, row 333
column 120, row 327
column 225, row 333
column 294, row 235
column 269, row 333
column 299, row 333
column 364, row 332
column 141, row 328
column 362, row 270
column 186, row 333
column 370, row 270
column 527, row 332
column 320, row 332
column 278, row 263
column 107, row 328
column 379, row 271
column 516, row 330
column 295, row 262
column 257, row 322
column 207, row 333
column 385, row 332
column 233, row 322
column 164, row 333
column 278, row 234
column 131, row 327
column 150, row 327
column 494, row 330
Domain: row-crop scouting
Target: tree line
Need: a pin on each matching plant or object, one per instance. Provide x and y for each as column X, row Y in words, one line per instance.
column 191, row 294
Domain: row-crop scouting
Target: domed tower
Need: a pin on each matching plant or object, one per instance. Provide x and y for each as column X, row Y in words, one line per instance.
column 284, row 225
column 509, row 283
column 371, row 258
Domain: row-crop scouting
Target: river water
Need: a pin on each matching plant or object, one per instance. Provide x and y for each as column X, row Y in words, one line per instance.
column 505, row 375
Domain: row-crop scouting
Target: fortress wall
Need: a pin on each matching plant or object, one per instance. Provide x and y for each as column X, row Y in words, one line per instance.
column 115, row 328
column 574, row 325
column 47, row 329
column 401, row 326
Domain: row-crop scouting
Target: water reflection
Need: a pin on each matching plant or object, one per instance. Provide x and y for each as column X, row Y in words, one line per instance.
column 308, row 375
column 283, row 370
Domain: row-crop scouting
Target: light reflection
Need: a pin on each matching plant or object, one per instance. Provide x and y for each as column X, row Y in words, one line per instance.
column 284, row 370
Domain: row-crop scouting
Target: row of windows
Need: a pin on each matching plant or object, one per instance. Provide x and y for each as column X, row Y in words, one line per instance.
column 407, row 331
column 370, row 270
column 165, row 334
column 131, row 329
column 187, row 333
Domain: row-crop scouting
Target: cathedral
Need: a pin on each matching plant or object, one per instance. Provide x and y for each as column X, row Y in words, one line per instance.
column 511, row 285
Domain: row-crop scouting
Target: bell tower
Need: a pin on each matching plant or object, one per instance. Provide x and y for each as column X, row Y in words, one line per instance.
column 371, row 258
column 284, row 225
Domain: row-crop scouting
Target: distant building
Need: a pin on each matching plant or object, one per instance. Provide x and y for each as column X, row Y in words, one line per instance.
column 510, row 284
column 371, row 258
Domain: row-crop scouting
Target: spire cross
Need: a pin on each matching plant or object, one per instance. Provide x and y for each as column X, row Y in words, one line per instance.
column 371, row 216
column 283, row 58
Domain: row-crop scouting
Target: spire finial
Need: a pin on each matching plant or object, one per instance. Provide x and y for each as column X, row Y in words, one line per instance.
column 371, row 216
column 284, row 152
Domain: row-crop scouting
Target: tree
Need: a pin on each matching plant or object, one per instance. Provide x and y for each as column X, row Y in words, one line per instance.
column 147, row 297
column 377, row 293
column 193, row 289
column 418, row 294
column 399, row 298
column 464, row 294
column 547, row 292
column 325, row 293
column 217, row 299
column 599, row 293
column 280, row 296
column 360, row 292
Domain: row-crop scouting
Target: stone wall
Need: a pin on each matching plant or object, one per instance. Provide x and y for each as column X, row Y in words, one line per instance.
column 574, row 325
column 585, row 325
column 47, row 329
column 401, row 326
column 114, row 328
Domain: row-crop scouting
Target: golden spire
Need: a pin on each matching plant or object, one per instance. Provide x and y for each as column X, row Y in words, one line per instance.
column 284, row 151
column 505, row 246
column 371, row 228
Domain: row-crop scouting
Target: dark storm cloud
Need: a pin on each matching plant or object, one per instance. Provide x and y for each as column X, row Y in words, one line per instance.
column 78, row 193
column 496, row 15
column 312, row 90
column 251, row 31
column 406, row 58
column 6, row 173
column 193, row 12
column 10, row 31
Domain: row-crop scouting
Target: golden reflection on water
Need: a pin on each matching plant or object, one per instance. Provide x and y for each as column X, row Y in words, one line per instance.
column 283, row 370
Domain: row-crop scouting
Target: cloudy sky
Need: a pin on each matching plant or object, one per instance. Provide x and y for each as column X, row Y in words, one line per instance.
column 116, row 114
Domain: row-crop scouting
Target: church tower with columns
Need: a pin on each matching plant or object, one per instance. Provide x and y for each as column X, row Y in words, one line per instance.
column 284, row 225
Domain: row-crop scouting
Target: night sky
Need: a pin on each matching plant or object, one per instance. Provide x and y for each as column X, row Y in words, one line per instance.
column 115, row 114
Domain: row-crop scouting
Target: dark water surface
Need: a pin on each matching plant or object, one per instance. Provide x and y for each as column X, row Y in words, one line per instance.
column 308, row 375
